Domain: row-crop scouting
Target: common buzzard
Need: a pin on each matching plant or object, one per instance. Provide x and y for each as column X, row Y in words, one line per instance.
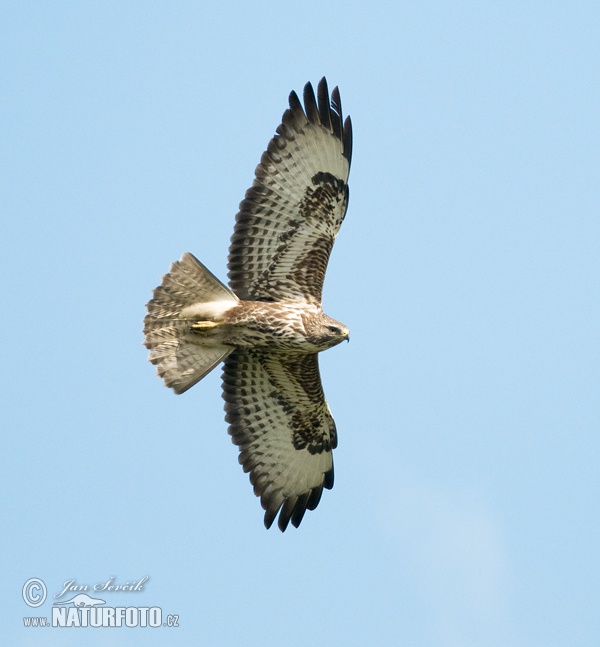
column 268, row 326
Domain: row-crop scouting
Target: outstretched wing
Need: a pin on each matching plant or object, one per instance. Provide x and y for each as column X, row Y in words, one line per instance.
column 279, row 419
column 292, row 213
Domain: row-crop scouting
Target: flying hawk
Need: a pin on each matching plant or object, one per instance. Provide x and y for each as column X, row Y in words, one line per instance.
column 268, row 326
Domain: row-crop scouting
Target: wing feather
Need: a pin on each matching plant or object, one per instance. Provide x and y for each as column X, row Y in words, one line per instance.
column 280, row 421
column 324, row 106
column 290, row 216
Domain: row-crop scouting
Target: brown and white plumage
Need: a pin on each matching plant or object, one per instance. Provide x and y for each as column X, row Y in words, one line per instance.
column 279, row 419
column 269, row 327
column 292, row 213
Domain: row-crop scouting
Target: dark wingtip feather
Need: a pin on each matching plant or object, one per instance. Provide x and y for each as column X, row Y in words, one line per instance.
column 314, row 498
column 287, row 509
column 270, row 518
column 299, row 509
column 310, row 104
column 348, row 139
column 336, row 107
column 295, row 103
column 328, row 480
column 324, row 105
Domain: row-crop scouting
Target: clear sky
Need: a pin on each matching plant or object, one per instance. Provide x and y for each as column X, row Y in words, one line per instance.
column 465, row 509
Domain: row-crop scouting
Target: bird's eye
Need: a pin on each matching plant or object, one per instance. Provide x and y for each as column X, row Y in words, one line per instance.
column 333, row 329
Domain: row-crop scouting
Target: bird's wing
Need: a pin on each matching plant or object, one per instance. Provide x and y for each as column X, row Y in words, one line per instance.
column 292, row 213
column 282, row 425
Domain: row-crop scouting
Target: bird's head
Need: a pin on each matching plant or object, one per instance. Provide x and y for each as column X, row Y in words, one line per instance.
column 325, row 332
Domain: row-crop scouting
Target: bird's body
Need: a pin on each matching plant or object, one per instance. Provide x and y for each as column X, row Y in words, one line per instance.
column 287, row 326
column 269, row 326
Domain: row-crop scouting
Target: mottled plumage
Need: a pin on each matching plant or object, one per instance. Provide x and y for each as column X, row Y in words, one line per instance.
column 269, row 327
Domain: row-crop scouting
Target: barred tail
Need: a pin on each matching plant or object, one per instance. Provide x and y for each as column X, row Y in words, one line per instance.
column 183, row 358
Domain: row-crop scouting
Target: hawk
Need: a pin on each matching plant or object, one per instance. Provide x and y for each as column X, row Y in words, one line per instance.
column 268, row 325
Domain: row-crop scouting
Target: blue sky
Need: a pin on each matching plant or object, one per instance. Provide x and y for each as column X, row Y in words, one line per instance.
column 465, row 509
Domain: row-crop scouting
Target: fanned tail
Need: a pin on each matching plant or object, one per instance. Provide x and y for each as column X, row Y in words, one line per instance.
column 181, row 310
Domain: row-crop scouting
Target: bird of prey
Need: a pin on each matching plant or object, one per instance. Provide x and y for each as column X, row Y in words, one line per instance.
column 268, row 325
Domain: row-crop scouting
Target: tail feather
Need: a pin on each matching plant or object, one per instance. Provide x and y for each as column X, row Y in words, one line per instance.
column 188, row 282
column 182, row 358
